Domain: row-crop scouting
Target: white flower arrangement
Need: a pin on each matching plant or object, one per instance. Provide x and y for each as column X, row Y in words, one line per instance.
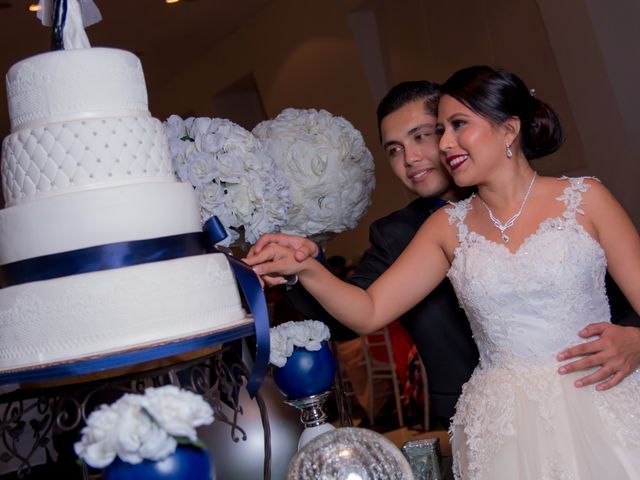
column 143, row 426
column 329, row 169
column 232, row 174
column 284, row 337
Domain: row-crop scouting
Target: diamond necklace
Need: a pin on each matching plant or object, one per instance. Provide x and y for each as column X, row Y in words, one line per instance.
column 509, row 223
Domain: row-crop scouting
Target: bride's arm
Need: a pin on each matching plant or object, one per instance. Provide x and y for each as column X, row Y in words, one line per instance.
column 616, row 350
column 420, row 268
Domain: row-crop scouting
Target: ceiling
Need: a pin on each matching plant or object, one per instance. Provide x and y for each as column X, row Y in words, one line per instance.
column 152, row 29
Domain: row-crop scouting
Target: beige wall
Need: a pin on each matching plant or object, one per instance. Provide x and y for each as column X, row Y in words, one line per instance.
column 438, row 40
column 597, row 59
column 303, row 54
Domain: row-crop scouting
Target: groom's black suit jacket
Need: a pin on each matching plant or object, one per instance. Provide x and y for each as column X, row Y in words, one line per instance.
column 437, row 325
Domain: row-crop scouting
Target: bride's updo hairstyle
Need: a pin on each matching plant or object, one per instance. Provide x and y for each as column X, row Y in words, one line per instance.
column 497, row 95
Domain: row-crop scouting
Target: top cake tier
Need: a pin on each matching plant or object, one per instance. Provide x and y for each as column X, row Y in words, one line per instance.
column 75, row 84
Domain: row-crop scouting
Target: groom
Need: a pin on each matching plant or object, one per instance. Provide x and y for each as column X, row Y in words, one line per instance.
column 437, row 325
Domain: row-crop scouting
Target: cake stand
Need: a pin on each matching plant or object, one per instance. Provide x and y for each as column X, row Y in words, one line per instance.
column 64, row 395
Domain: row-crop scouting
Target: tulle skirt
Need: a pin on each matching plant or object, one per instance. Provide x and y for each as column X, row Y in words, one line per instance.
column 530, row 423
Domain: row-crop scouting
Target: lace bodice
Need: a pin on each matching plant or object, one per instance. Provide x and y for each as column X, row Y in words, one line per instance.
column 517, row 417
column 525, row 307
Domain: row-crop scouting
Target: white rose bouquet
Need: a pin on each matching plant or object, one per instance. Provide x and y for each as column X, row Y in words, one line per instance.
column 143, row 426
column 308, row 334
column 232, row 174
column 329, row 169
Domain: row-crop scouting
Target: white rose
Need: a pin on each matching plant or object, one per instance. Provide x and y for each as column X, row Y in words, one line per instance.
column 308, row 334
column 175, row 128
column 231, row 167
column 211, row 196
column 300, row 337
column 97, row 446
column 238, row 201
column 177, row 411
column 279, row 352
column 133, row 428
column 201, row 168
column 157, row 444
column 199, row 128
column 318, row 332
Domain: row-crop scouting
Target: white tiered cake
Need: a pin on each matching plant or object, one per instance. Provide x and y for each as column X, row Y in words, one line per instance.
column 86, row 165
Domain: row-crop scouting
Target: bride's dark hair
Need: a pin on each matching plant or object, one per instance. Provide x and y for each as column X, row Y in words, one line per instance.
column 498, row 95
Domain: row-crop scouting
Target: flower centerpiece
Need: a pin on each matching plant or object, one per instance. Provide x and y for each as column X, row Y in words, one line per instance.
column 329, row 169
column 234, row 177
column 150, row 432
column 304, row 371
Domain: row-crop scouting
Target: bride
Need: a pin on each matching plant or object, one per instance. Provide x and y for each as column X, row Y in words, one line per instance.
column 527, row 256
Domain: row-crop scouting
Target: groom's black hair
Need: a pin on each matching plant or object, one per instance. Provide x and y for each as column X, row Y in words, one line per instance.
column 406, row 92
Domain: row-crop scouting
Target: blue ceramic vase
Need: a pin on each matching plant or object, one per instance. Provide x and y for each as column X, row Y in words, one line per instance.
column 187, row 463
column 306, row 373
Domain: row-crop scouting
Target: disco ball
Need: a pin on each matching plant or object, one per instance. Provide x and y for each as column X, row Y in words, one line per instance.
column 349, row 454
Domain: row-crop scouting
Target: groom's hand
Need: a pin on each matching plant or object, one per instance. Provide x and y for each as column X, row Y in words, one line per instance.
column 616, row 351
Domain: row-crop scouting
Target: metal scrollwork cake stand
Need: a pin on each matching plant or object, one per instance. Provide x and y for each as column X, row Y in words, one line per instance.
column 54, row 401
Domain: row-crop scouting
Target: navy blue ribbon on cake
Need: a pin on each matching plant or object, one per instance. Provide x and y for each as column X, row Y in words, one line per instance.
column 101, row 257
column 138, row 252
column 250, row 285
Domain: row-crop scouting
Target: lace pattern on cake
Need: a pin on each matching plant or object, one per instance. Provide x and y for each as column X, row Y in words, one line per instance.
column 525, row 307
column 47, row 325
column 38, row 95
column 67, row 157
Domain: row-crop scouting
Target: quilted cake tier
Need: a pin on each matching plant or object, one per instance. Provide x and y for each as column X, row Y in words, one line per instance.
column 86, row 154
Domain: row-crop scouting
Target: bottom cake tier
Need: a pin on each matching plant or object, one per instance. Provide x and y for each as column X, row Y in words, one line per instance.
column 109, row 311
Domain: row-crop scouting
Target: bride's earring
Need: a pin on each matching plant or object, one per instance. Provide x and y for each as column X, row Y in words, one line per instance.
column 509, row 152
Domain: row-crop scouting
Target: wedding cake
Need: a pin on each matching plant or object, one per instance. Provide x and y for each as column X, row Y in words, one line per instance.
column 86, row 168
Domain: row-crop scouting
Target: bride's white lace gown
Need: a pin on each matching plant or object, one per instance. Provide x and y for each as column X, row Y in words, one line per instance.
column 517, row 417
